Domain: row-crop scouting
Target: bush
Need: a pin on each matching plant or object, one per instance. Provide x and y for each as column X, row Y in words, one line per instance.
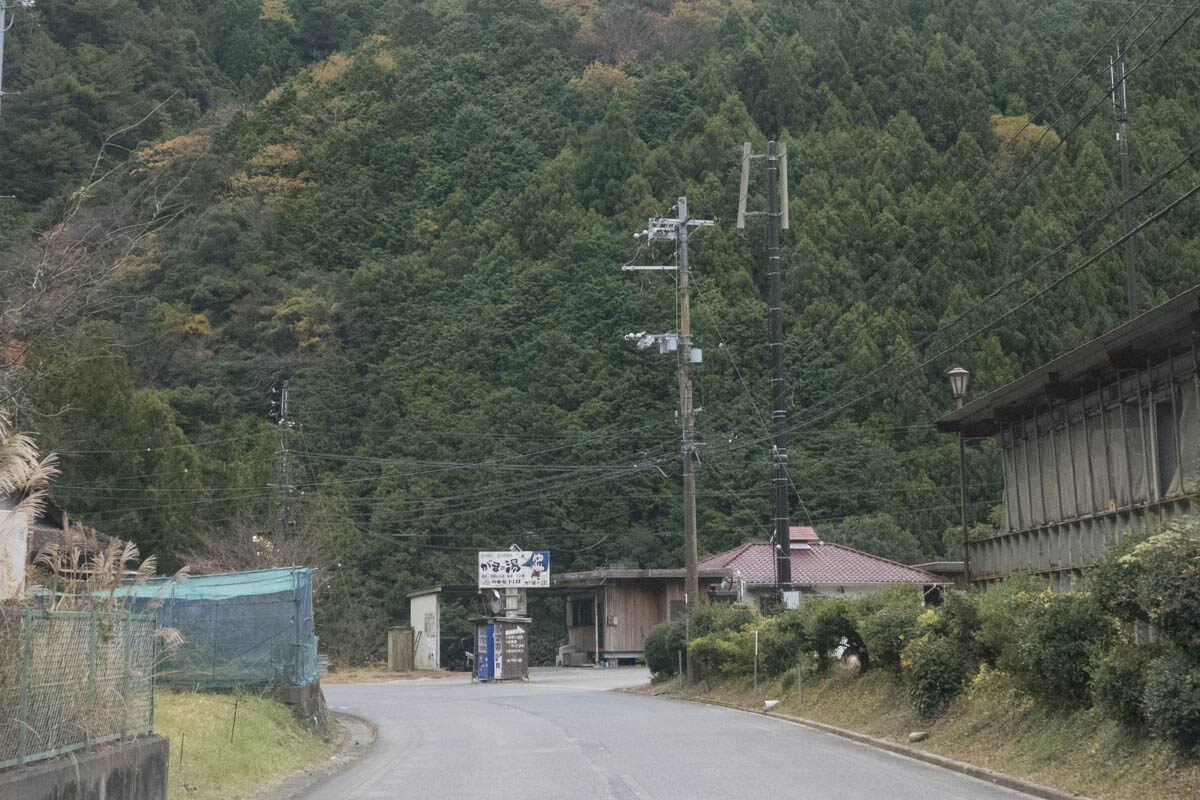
column 1155, row 580
column 1114, row 582
column 781, row 641
column 715, row 617
column 826, row 621
column 1172, row 698
column 1003, row 612
column 724, row 652
column 958, row 621
column 936, row 671
column 1167, row 586
column 1119, row 682
column 1057, row 643
column 663, row 645
column 886, row 622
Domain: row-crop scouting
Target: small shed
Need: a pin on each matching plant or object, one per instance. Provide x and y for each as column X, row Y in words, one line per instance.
column 425, row 617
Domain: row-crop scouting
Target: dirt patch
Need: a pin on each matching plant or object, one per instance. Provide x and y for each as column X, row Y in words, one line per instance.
column 370, row 675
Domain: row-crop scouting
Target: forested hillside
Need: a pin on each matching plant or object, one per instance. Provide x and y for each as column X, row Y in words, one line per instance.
column 416, row 214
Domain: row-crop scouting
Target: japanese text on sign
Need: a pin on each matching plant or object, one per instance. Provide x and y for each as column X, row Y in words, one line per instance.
column 512, row 568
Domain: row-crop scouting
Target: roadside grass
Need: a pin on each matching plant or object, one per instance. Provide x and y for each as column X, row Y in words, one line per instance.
column 267, row 744
column 992, row 725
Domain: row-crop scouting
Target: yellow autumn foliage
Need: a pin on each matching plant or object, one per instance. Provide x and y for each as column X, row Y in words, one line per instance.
column 601, row 80
column 1018, row 133
column 273, row 173
column 172, row 321
column 306, row 317
column 277, row 10
column 164, row 153
column 330, row 70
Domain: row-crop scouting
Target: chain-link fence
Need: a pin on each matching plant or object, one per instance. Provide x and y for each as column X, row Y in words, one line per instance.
column 72, row 679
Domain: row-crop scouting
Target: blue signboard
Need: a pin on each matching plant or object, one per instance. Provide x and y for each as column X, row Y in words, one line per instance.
column 485, row 668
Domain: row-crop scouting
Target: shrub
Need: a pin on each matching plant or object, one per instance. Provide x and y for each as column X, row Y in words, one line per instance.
column 715, row 617
column 826, row 621
column 936, row 671
column 663, row 646
column 1172, row 698
column 1154, row 580
column 724, row 652
column 1003, row 611
column 781, row 641
column 958, row 621
column 1114, row 582
column 1057, row 643
column 1119, row 681
column 886, row 622
column 1167, row 586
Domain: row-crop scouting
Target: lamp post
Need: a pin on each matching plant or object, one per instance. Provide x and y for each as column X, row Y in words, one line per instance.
column 958, row 385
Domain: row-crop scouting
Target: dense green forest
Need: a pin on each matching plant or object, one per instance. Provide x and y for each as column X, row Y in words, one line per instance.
column 415, row 213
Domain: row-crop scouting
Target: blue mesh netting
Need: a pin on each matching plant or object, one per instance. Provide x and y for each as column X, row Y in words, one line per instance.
column 238, row 628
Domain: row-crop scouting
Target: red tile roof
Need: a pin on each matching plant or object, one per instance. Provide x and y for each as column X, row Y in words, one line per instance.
column 820, row 563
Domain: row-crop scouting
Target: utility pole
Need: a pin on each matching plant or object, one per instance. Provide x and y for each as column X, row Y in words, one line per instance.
column 1120, row 100
column 676, row 229
column 777, row 220
column 284, row 487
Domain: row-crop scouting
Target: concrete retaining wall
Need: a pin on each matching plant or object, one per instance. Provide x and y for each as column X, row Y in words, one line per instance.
column 135, row 770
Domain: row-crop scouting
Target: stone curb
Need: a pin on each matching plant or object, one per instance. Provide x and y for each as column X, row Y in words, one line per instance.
column 961, row 767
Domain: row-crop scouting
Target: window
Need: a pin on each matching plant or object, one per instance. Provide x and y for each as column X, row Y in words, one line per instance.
column 581, row 613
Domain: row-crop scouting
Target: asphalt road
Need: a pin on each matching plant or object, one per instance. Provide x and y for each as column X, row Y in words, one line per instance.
column 565, row 735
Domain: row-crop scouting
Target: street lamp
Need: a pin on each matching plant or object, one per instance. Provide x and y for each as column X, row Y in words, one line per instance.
column 958, row 385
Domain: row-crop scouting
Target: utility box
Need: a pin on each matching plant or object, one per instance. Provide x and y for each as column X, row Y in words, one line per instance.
column 502, row 649
column 400, row 649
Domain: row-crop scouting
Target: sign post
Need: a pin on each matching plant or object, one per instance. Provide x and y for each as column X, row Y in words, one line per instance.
column 502, row 640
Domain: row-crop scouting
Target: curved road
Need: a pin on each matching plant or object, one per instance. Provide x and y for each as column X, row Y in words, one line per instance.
column 565, row 735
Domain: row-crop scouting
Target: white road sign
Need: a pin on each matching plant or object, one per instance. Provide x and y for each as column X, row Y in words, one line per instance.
column 502, row 569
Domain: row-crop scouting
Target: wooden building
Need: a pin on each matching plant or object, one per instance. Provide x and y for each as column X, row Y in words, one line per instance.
column 1096, row 445
column 628, row 603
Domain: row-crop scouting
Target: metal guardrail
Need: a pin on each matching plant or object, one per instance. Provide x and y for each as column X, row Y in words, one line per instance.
column 72, row 679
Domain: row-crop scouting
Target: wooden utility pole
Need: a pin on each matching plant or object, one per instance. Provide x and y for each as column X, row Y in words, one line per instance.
column 687, row 417
column 677, row 230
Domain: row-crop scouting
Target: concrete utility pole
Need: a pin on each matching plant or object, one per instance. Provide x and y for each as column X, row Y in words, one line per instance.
column 777, row 220
column 1120, row 99
column 676, row 229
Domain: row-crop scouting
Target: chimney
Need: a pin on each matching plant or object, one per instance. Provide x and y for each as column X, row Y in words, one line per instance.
column 802, row 537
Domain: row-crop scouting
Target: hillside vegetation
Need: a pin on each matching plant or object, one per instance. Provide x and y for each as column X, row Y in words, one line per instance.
column 416, row 214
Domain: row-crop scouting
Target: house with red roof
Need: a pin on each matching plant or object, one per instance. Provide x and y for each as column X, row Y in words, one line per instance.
column 819, row 569
column 610, row 612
